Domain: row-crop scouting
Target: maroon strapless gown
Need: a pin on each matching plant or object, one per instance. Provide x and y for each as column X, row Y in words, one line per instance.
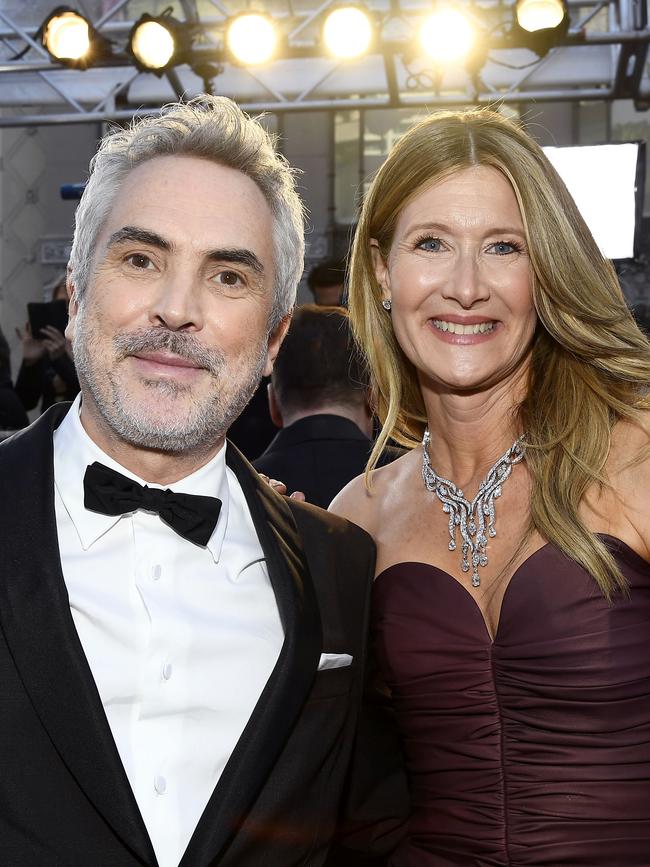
column 533, row 749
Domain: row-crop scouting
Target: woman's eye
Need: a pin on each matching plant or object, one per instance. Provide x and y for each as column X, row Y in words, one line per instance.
column 433, row 245
column 139, row 260
column 502, row 248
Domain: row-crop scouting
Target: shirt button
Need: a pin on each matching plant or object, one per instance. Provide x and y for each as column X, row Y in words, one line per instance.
column 160, row 785
column 156, row 572
column 167, row 671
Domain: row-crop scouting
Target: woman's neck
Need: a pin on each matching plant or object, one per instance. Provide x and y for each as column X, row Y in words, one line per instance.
column 471, row 430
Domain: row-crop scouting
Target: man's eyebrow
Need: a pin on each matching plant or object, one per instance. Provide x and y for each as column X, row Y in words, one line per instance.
column 237, row 257
column 140, row 236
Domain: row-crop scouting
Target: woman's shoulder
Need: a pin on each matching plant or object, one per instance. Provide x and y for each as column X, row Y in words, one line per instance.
column 629, row 456
column 364, row 500
column 628, row 474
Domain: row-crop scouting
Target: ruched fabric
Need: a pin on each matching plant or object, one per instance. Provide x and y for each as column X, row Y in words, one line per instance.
column 532, row 750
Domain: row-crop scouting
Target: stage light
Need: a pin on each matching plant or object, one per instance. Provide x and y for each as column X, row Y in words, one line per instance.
column 66, row 35
column 158, row 42
column 251, row 38
column 533, row 15
column 347, row 32
column 446, row 35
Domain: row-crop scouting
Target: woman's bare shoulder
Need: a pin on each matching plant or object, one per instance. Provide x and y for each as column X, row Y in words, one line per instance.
column 364, row 500
column 629, row 457
column 628, row 470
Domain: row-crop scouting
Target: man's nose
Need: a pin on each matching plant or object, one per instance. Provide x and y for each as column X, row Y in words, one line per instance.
column 467, row 282
column 177, row 303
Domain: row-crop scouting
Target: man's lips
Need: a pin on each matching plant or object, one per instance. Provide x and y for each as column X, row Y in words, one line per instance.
column 166, row 359
column 165, row 365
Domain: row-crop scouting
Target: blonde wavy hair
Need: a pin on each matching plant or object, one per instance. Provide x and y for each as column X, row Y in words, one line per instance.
column 590, row 363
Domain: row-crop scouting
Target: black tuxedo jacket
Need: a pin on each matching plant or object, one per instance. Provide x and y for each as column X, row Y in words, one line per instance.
column 298, row 770
column 317, row 455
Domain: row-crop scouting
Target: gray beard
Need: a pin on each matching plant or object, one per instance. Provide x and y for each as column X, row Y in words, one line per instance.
column 207, row 421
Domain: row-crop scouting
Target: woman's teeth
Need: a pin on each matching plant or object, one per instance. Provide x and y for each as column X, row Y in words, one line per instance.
column 457, row 328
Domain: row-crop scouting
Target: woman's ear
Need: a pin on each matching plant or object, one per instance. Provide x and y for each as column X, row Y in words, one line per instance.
column 380, row 268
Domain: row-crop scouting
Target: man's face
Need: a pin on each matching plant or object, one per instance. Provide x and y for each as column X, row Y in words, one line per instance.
column 171, row 336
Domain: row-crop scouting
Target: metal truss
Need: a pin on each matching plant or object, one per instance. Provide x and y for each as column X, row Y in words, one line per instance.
column 602, row 56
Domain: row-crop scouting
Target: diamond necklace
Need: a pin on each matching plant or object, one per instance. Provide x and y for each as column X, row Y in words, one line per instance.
column 475, row 518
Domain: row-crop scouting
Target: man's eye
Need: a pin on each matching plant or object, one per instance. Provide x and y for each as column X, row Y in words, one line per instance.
column 433, row 245
column 139, row 260
column 229, row 278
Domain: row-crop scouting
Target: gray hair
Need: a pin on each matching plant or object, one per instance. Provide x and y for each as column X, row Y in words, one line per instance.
column 214, row 128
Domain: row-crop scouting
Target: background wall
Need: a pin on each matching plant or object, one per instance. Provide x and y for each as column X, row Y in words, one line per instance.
column 336, row 153
column 35, row 223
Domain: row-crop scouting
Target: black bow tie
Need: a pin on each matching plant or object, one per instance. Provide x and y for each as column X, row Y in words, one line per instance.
column 110, row 493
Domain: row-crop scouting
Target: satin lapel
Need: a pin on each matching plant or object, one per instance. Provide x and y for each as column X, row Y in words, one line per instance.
column 37, row 623
column 284, row 694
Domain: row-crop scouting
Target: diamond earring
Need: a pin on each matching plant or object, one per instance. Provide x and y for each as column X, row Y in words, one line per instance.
column 385, row 304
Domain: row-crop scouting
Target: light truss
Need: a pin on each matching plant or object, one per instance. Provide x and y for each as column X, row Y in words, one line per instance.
column 603, row 56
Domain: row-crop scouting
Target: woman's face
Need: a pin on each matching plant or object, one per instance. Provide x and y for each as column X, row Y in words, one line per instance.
column 459, row 280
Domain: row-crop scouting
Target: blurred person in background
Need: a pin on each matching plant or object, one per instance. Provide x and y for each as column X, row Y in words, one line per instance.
column 47, row 372
column 326, row 282
column 253, row 431
column 512, row 599
column 5, row 356
column 318, row 396
column 12, row 413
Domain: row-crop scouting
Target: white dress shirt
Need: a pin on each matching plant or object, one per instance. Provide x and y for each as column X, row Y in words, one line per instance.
column 180, row 639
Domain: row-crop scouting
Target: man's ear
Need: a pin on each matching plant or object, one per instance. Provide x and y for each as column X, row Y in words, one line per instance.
column 274, row 407
column 275, row 342
column 380, row 268
column 73, row 309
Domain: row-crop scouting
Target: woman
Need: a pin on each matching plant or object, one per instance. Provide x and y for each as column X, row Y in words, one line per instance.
column 513, row 629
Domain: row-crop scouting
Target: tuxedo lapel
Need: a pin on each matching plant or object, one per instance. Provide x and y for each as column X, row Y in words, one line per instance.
column 284, row 694
column 37, row 623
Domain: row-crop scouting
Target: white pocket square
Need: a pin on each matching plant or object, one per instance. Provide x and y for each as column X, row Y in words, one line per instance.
column 334, row 660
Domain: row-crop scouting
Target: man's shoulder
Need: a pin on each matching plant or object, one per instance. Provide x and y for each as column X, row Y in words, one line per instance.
column 18, row 448
column 314, row 521
column 26, row 456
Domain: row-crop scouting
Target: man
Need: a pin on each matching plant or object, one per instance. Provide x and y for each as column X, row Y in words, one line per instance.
column 181, row 650
column 318, row 397
column 327, row 282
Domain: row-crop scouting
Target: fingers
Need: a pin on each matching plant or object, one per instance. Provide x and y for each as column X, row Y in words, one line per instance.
column 280, row 487
column 298, row 495
column 53, row 334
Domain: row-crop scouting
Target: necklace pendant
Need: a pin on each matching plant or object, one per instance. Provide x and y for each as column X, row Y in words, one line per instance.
column 470, row 519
